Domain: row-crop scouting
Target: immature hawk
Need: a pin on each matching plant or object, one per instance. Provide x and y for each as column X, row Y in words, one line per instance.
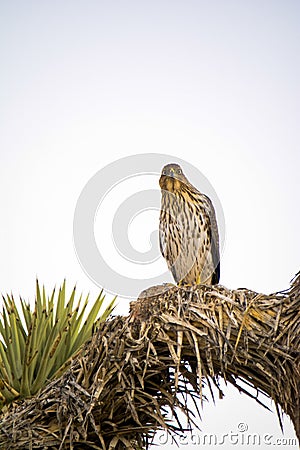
column 188, row 231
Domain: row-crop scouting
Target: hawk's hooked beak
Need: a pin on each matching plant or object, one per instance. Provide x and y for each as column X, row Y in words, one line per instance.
column 172, row 172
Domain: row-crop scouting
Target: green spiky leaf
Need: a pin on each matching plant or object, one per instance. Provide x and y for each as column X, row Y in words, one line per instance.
column 37, row 344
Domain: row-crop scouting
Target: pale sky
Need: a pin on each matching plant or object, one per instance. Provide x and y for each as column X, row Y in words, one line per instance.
column 216, row 84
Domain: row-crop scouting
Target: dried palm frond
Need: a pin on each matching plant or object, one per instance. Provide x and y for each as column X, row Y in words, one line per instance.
column 117, row 390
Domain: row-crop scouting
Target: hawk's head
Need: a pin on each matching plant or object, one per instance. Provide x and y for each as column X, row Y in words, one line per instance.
column 172, row 178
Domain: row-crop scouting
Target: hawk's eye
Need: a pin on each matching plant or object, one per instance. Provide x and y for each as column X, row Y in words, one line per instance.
column 179, row 171
column 164, row 172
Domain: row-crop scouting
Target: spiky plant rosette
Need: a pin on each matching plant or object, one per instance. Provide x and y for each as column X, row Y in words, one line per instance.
column 36, row 344
column 115, row 394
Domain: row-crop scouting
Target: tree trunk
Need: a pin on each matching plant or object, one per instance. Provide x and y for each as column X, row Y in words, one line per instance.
column 175, row 341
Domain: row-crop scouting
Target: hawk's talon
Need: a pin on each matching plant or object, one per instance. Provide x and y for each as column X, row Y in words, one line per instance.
column 184, row 284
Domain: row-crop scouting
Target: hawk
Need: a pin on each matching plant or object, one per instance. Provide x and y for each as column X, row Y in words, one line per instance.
column 188, row 232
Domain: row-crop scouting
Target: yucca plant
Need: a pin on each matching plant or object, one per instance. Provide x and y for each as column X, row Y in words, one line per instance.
column 168, row 352
column 37, row 344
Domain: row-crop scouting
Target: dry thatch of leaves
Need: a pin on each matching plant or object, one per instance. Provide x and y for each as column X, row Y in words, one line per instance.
column 176, row 342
